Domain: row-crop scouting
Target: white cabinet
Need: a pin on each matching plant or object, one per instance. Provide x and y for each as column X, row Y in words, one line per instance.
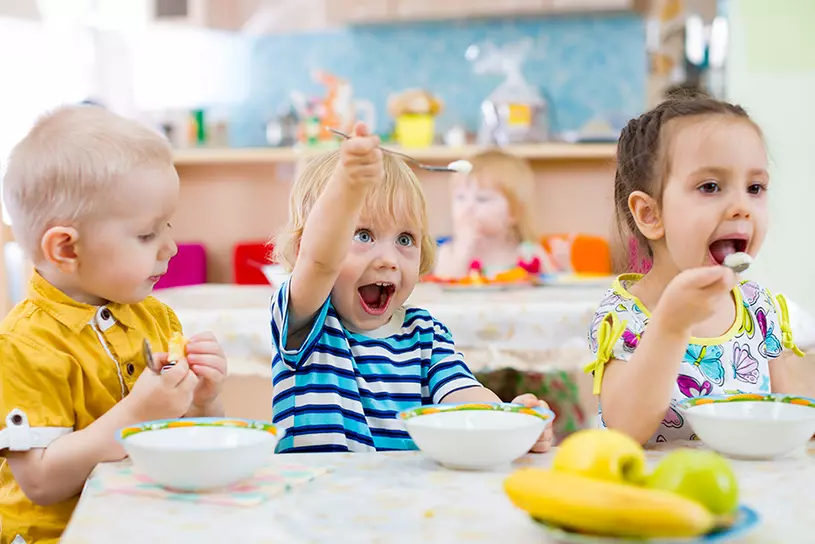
column 217, row 14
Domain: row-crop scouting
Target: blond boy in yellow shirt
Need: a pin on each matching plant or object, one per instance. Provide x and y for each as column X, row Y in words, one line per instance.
column 90, row 195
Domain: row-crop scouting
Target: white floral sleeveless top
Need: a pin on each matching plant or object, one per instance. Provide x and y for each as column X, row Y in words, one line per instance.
column 736, row 362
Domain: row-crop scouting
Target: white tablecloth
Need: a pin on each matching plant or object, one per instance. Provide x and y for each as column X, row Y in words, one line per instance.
column 535, row 328
column 403, row 497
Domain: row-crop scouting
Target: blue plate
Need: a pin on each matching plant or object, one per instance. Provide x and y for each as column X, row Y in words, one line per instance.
column 747, row 519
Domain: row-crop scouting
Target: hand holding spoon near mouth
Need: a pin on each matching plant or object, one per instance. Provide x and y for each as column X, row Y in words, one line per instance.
column 738, row 262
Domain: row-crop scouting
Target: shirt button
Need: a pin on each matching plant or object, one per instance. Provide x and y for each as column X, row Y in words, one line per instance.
column 105, row 314
column 130, row 369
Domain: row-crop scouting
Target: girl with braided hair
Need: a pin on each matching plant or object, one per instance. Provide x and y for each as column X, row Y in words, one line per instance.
column 690, row 189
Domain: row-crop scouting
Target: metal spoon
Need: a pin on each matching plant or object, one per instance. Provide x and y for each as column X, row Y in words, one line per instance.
column 408, row 158
column 149, row 361
column 738, row 262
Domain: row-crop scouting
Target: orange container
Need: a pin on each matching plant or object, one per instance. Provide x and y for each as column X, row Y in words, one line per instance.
column 589, row 254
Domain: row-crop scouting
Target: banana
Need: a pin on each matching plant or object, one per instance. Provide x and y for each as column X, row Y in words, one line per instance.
column 602, row 454
column 579, row 503
column 177, row 348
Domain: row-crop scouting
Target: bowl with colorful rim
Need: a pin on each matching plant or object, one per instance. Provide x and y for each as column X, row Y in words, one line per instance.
column 475, row 436
column 745, row 521
column 199, row 454
column 731, row 424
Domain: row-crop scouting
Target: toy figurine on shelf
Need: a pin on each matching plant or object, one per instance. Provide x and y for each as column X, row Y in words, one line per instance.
column 414, row 112
column 338, row 109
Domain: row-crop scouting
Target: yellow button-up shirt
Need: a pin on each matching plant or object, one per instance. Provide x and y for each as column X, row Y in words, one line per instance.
column 64, row 364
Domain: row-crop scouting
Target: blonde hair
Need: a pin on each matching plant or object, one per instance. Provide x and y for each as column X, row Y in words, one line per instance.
column 67, row 166
column 398, row 196
column 514, row 178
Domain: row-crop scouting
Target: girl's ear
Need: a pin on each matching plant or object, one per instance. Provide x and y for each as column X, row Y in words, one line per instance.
column 645, row 211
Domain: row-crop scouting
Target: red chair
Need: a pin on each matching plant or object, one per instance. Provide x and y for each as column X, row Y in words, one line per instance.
column 248, row 260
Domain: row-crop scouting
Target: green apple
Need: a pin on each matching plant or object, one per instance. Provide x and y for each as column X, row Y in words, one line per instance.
column 703, row 476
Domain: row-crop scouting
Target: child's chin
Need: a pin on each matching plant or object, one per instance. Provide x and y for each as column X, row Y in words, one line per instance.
column 369, row 322
column 376, row 320
column 135, row 296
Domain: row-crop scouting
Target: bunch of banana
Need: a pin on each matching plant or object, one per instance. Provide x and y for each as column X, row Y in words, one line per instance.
column 598, row 485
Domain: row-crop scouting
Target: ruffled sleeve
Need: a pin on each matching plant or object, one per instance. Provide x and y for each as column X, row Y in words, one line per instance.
column 614, row 334
column 608, row 335
column 787, row 341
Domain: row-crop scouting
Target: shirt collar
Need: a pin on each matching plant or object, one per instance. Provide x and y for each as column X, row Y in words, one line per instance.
column 74, row 315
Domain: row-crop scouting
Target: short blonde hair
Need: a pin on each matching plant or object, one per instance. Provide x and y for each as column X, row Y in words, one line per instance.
column 398, row 196
column 514, row 178
column 67, row 167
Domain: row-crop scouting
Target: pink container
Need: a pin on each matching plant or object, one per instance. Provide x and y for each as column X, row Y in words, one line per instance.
column 188, row 267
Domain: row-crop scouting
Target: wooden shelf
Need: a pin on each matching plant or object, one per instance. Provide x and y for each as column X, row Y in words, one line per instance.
column 435, row 154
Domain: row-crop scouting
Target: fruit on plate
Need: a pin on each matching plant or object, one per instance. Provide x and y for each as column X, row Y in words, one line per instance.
column 582, row 504
column 602, row 454
column 512, row 275
column 703, row 476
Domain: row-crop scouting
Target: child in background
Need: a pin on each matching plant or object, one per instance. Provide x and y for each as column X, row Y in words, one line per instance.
column 90, row 196
column 349, row 355
column 492, row 227
column 691, row 186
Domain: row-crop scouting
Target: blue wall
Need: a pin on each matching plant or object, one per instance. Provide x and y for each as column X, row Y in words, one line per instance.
column 587, row 67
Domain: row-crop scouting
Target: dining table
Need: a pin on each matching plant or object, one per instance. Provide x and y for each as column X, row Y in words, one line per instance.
column 388, row 497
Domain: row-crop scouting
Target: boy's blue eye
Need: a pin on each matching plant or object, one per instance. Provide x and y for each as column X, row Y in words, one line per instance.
column 756, row 189
column 363, row 236
column 405, row 240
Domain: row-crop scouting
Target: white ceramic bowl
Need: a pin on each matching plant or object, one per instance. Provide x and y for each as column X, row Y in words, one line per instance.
column 475, row 436
column 199, row 454
column 751, row 426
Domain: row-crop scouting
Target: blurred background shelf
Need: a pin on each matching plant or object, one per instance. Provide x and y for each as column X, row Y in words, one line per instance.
column 532, row 152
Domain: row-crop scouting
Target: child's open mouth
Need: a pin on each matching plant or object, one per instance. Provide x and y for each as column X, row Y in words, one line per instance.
column 376, row 297
column 720, row 249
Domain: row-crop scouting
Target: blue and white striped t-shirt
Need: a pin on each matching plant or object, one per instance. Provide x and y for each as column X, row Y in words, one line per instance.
column 342, row 390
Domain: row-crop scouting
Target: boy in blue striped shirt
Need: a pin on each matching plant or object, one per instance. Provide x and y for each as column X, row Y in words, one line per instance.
column 350, row 356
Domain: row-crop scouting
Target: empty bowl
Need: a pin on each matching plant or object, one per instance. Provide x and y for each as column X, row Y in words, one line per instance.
column 199, row 454
column 475, row 436
column 751, row 426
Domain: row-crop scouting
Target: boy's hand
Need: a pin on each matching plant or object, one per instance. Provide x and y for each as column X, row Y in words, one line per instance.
column 360, row 158
column 544, row 443
column 162, row 396
column 208, row 362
